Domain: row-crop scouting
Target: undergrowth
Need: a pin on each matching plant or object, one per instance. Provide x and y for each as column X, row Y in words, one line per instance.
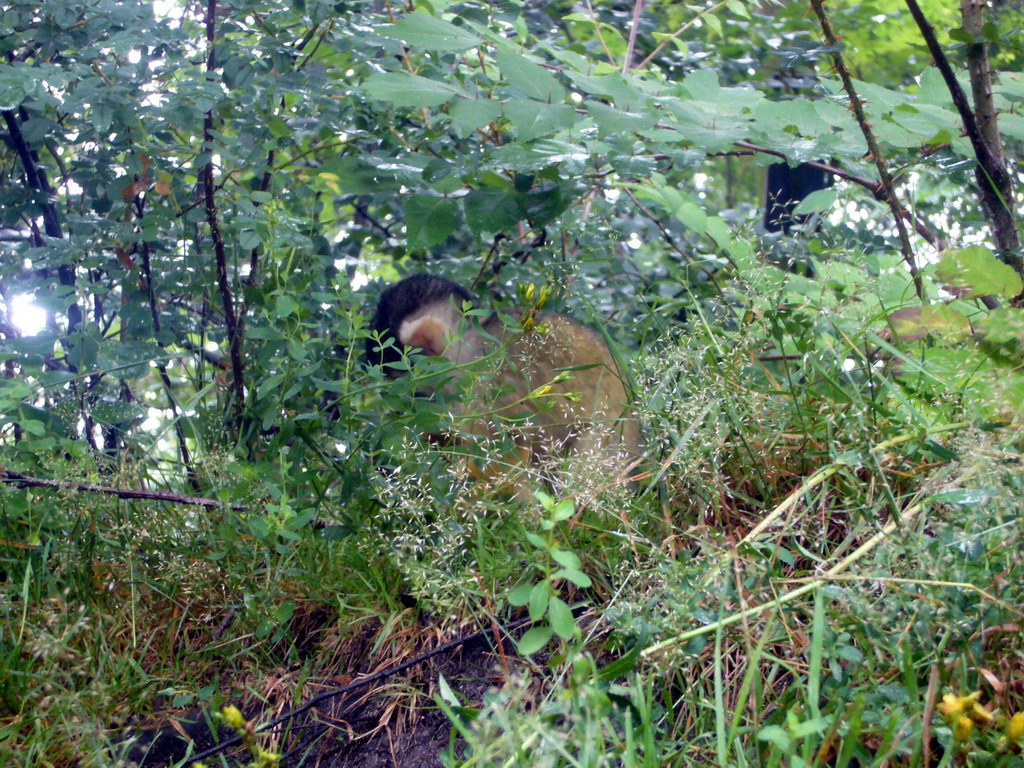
column 817, row 564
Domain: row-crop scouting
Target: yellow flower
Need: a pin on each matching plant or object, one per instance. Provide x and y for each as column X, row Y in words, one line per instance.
column 232, row 717
column 952, row 706
column 962, row 729
column 1015, row 728
column 979, row 714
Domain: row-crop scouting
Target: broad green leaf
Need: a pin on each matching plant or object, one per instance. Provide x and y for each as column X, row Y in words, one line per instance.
column 532, row 79
column 816, row 202
column 355, row 176
column 421, row 30
column 405, row 90
column 914, row 323
column 564, row 510
column 566, row 559
column 534, row 639
column 560, row 616
column 469, row 114
column 284, row 305
column 492, row 210
column 615, row 87
column 520, row 595
column 578, row 578
column 544, row 204
column 613, row 121
column 975, row 271
column 693, row 216
column 533, row 119
column 429, row 220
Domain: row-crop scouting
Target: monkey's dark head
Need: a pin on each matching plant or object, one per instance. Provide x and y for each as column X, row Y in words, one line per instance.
column 418, row 312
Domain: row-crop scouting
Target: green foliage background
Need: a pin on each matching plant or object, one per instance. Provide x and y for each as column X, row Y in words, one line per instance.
column 503, row 144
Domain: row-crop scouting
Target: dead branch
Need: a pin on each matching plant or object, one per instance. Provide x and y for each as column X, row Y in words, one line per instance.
column 24, row 481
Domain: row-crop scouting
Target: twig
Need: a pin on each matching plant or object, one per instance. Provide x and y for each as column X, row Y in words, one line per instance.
column 24, row 481
column 627, row 61
column 384, row 673
column 161, row 366
column 233, row 325
column 254, row 256
column 667, row 236
column 600, row 37
column 666, row 40
column 873, row 148
column 874, row 187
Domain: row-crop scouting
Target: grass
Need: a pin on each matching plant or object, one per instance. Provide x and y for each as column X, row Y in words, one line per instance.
column 816, row 556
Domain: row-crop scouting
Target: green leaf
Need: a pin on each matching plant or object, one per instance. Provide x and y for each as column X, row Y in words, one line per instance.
column 467, row 115
column 914, row 323
column 545, row 203
column 975, row 271
column 566, row 559
column 1003, row 326
column 429, row 220
column 539, row 596
column 534, row 639
column 560, row 616
column 520, row 595
column 776, row 735
column 614, row 121
column 532, row 79
column 693, row 216
column 420, row 30
column 491, row 210
column 405, row 90
column 817, row 202
column 578, row 578
column 564, row 509
column 537, row 541
column 284, row 305
column 533, row 119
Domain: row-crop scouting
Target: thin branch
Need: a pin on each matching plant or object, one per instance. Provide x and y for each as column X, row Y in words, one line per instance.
column 874, row 187
column 666, row 40
column 873, row 148
column 600, row 37
column 627, row 61
column 161, row 366
column 667, row 236
column 332, row 693
column 254, row 256
column 994, row 182
column 24, row 481
column 232, row 323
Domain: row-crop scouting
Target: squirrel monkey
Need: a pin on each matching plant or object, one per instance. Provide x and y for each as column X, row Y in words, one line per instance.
column 554, row 388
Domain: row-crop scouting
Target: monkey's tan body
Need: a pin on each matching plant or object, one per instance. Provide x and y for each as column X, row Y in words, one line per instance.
column 556, row 390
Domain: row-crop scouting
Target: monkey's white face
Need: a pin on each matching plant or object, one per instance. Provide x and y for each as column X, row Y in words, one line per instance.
column 440, row 330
